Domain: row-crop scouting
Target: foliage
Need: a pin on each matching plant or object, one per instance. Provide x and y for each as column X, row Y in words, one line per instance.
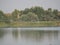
column 31, row 14
column 15, row 14
column 29, row 17
column 1, row 15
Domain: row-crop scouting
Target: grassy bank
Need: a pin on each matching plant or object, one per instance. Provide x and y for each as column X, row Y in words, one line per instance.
column 30, row 24
column 35, row 24
column 3, row 24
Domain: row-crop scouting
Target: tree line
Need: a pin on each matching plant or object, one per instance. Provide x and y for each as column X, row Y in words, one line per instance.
column 32, row 14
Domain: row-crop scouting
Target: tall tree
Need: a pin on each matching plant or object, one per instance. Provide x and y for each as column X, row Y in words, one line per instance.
column 1, row 15
column 29, row 17
column 15, row 14
column 37, row 10
column 55, row 11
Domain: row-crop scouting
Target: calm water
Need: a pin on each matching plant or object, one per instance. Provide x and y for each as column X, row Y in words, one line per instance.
column 29, row 37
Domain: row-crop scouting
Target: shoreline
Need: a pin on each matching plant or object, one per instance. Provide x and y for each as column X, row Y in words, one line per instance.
column 30, row 24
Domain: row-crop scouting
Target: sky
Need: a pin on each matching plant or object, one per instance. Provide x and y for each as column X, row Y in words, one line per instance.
column 10, row 5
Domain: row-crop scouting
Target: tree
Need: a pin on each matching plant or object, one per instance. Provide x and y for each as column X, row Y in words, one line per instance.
column 26, row 11
column 1, row 15
column 55, row 11
column 15, row 14
column 38, row 11
column 49, row 10
column 29, row 17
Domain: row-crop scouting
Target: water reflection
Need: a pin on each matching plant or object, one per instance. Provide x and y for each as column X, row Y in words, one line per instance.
column 29, row 37
column 40, row 34
column 15, row 34
column 1, row 33
column 36, row 35
column 32, row 35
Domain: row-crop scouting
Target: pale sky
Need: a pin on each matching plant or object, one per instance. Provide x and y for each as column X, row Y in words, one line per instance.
column 10, row 5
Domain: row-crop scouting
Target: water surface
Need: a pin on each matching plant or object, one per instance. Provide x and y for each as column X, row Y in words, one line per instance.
column 29, row 37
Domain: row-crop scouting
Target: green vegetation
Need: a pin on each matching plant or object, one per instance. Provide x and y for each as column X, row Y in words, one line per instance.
column 31, row 24
column 35, row 24
column 35, row 16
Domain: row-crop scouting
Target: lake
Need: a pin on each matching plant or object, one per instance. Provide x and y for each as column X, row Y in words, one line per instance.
column 30, row 36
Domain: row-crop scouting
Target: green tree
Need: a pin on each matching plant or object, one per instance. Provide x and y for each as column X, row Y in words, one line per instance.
column 55, row 11
column 29, row 17
column 37, row 10
column 26, row 11
column 1, row 15
column 15, row 14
